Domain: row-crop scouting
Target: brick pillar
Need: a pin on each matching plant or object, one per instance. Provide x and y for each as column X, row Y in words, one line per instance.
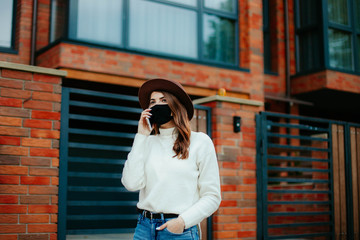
column 236, row 217
column 30, row 99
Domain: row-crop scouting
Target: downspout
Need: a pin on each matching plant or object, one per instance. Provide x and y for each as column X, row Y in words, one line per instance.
column 33, row 33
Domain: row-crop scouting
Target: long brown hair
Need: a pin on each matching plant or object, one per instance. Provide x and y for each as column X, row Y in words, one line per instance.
column 182, row 124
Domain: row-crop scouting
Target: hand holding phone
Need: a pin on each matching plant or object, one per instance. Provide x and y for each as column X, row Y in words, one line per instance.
column 144, row 126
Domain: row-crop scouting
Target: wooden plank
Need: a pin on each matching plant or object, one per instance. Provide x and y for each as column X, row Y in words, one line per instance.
column 205, row 92
column 354, row 168
column 202, row 121
column 336, row 183
column 343, row 228
column 194, row 121
column 358, row 175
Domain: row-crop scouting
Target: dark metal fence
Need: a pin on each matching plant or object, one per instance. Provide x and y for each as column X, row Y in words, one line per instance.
column 96, row 135
column 97, row 131
column 303, row 191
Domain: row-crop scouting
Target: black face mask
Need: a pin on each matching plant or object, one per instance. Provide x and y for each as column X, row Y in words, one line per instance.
column 161, row 113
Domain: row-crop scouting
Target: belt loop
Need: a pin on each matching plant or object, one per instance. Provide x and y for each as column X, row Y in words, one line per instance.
column 151, row 215
column 143, row 214
column 162, row 216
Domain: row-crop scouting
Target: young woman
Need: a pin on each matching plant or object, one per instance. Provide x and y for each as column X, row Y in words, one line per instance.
column 176, row 170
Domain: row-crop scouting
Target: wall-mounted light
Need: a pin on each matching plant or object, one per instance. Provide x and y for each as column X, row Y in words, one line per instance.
column 237, row 124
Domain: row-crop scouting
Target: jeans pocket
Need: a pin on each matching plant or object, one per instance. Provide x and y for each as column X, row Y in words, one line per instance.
column 186, row 231
column 167, row 230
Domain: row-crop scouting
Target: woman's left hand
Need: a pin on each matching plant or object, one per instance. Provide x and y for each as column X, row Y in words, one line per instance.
column 176, row 225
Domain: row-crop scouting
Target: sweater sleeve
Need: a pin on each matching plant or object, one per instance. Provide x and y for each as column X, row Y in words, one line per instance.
column 133, row 176
column 209, row 189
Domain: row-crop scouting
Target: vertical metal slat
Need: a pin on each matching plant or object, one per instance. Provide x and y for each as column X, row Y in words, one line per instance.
column 63, row 166
column 342, row 178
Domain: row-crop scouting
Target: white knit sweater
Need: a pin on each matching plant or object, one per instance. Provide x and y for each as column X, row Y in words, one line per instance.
column 189, row 187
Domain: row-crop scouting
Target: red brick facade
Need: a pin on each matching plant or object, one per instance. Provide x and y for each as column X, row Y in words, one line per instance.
column 30, row 104
column 70, row 56
column 29, row 153
column 326, row 79
column 236, row 218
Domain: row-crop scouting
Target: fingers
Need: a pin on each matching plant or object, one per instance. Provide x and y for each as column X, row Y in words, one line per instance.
column 162, row 227
column 144, row 125
column 146, row 113
column 174, row 225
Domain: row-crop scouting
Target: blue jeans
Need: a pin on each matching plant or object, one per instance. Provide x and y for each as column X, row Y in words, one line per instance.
column 146, row 230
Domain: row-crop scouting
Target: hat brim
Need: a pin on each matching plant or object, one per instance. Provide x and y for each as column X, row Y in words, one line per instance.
column 165, row 85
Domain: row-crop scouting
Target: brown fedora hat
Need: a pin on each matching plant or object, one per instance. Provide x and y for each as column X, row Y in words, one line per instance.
column 165, row 85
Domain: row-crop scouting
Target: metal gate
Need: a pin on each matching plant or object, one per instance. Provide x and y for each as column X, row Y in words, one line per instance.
column 97, row 131
column 308, row 172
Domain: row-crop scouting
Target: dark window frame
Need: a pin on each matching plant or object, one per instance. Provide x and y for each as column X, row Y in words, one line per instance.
column 267, row 43
column 324, row 27
column 63, row 34
column 12, row 49
column 266, row 36
column 308, row 29
column 200, row 9
column 349, row 29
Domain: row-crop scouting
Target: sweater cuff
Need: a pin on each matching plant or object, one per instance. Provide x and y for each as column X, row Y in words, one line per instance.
column 187, row 217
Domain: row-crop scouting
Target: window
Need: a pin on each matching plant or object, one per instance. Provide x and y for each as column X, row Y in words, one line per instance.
column 7, row 13
column 329, row 38
column 224, row 5
column 219, row 36
column 340, row 49
column 269, row 35
column 162, row 28
column 309, row 40
column 96, row 21
column 203, row 30
column 343, row 34
column 219, row 32
column 57, row 24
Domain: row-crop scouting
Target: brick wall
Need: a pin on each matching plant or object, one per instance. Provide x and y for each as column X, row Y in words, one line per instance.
column 326, row 79
column 236, row 217
column 29, row 153
column 43, row 25
column 71, row 56
column 244, row 40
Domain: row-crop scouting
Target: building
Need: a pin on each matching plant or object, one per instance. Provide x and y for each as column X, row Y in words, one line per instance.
column 291, row 74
